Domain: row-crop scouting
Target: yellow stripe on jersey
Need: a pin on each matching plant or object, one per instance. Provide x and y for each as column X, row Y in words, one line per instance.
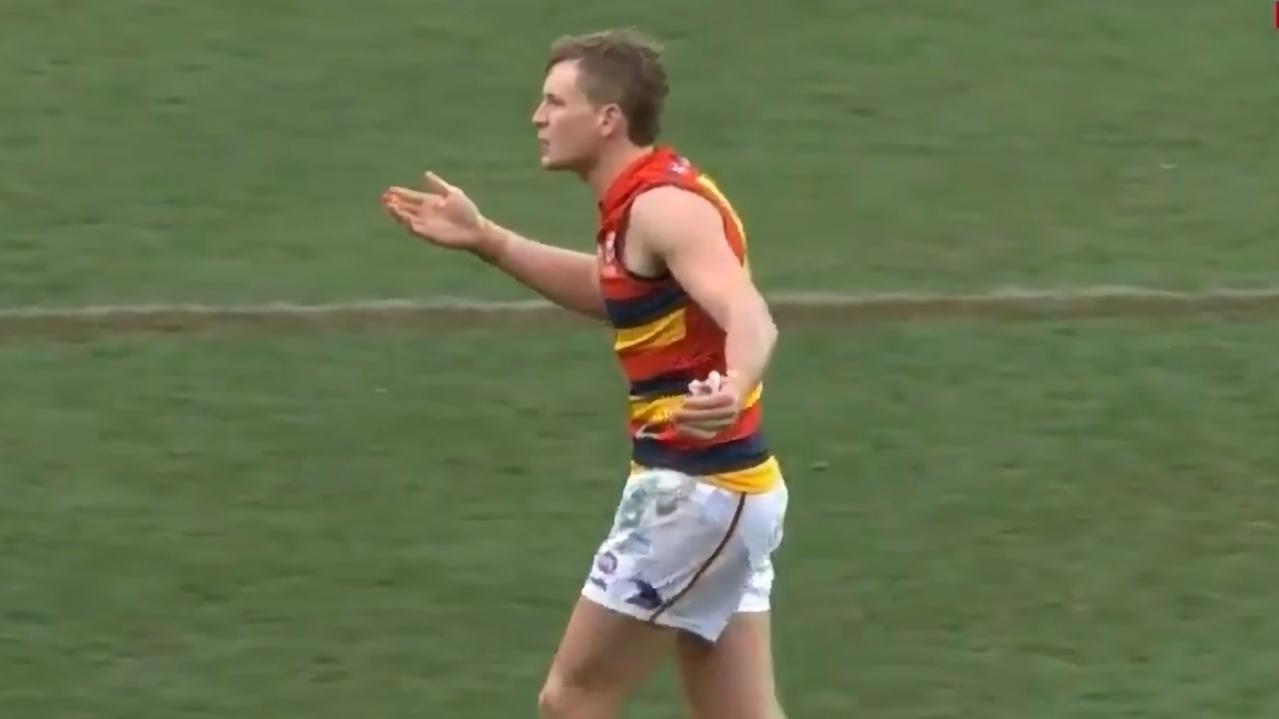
column 661, row 332
column 753, row 480
column 709, row 185
column 659, row 409
column 654, row 411
column 760, row 478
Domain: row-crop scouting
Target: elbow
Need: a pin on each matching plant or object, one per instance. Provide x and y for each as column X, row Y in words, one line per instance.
column 751, row 324
column 767, row 320
column 766, row 329
column 761, row 318
column 770, row 329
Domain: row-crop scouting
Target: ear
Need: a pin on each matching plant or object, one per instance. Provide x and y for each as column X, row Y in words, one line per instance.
column 611, row 119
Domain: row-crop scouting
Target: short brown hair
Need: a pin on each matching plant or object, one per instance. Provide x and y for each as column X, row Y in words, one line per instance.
column 621, row 66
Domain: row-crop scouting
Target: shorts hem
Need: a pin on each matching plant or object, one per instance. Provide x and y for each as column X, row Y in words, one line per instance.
column 639, row 614
column 760, row 607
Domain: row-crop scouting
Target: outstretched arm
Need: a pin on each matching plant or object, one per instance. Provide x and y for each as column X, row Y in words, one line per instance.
column 444, row 216
column 568, row 278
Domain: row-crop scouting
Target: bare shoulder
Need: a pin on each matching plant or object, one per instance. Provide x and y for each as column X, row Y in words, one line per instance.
column 669, row 214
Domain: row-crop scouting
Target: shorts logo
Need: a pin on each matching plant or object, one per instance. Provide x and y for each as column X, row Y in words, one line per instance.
column 646, row 595
column 606, row 563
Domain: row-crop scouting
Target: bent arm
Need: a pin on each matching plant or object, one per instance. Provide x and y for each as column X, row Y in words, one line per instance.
column 686, row 232
column 565, row 277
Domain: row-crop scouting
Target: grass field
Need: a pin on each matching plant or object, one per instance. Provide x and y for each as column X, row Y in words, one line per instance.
column 1058, row 519
column 236, row 150
column 1034, row 520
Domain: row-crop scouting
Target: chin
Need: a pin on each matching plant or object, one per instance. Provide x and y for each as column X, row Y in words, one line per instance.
column 554, row 163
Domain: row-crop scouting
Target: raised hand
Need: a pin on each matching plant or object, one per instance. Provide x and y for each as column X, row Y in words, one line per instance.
column 439, row 213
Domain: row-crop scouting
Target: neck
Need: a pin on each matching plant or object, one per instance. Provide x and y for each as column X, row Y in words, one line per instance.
column 600, row 176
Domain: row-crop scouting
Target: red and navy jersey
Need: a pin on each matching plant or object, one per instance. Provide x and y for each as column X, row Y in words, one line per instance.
column 663, row 340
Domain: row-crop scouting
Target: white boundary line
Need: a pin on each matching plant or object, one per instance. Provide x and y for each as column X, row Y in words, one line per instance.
column 1011, row 298
column 847, row 309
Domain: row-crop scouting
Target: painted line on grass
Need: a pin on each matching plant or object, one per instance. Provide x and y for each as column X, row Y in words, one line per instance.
column 1010, row 304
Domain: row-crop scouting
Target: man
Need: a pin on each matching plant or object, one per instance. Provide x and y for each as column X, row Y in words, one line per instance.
column 687, row 563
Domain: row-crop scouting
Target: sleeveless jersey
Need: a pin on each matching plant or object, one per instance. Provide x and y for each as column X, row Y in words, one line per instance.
column 663, row 340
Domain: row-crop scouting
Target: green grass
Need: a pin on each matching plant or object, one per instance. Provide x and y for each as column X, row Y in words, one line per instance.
column 1059, row 521
column 1056, row 520
column 235, row 150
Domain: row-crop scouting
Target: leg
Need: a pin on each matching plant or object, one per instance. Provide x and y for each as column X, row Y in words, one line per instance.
column 732, row 678
column 620, row 627
column 601, row 658
column 678, row 557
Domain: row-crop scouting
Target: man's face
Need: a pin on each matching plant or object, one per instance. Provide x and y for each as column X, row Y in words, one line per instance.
column 570, row 129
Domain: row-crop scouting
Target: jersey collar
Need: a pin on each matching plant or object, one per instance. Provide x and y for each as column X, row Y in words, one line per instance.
column 631, row 176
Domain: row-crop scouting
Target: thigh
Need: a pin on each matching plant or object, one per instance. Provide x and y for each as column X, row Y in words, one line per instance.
column 762, row 543
column 733, row 677
column 602, row 656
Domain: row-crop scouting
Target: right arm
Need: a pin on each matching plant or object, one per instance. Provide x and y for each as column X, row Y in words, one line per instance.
column 568, row 278
column 443, row 215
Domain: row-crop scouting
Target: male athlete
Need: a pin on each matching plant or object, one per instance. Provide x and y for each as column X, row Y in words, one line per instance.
column 687, row 563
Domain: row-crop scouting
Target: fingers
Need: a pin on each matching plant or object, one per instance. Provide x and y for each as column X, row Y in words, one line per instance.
column 697, row 432
column 708, row 401
column 402, row 209
column 408, row 206
column 413, row 198
column 705, row 412
column 716, row 422
column 435, row 184
column 703, row 423
column 399, row 199
column 402, row 214
column 397, row 208
column 703, row 428
column 710, row 385
column 433, row 187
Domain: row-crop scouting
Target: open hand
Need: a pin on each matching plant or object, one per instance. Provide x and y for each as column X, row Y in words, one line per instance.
column 439, row 213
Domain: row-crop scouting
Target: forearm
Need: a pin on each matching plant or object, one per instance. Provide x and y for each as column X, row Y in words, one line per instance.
column 750, row 338
column 565, row 277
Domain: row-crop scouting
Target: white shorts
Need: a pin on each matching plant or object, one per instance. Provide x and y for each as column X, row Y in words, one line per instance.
column 686, row 554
